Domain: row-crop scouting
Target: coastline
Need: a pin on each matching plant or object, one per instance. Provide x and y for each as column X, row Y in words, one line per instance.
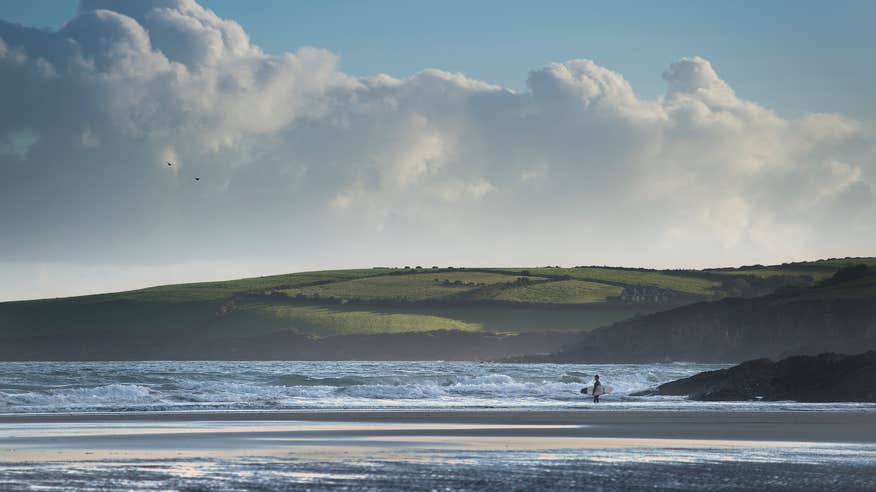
column 813, row 426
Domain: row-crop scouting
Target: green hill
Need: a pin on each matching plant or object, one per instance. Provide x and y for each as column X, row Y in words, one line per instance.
column 242, row 317
column 838, row 314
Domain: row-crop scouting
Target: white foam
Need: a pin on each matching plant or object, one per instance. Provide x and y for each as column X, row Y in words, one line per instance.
column 120, row 386
column 67, row 398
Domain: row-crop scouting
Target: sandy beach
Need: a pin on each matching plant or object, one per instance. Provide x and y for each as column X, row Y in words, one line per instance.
column 390, row 449
column 811, row 426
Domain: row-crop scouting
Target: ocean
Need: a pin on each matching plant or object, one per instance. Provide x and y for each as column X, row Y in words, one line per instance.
column 74, row 387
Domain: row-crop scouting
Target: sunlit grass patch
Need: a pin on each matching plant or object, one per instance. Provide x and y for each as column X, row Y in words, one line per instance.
column 340, row 320
column 678, row 282
column 406, row 287
column 560, row 292
column 214, row 291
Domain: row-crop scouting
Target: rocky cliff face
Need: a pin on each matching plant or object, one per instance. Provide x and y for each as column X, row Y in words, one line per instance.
column 837, row 316
column 824, row 378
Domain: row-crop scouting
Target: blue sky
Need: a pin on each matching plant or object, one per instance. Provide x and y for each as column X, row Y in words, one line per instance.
column 793, row 57
column 655, row 134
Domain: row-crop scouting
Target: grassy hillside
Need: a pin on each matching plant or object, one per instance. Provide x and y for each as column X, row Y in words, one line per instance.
column 346, row 319
column 838, row 314
column 318, row 320
column 851, row 284
column 559, row 292
column 320, row 304
column 687, row 282
column 219, row 291
column 818, row 270
column 411, row 287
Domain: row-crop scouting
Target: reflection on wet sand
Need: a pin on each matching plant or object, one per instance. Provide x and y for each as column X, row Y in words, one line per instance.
column 341, row 440
column 242, row 454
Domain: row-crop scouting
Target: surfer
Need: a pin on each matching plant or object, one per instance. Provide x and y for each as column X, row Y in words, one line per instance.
column 597, row 389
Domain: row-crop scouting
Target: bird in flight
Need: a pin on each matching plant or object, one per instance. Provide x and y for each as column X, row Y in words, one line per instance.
column 169, row 163
column 197, row 179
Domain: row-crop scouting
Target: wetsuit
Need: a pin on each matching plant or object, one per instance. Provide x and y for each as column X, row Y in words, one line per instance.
column 597, row 390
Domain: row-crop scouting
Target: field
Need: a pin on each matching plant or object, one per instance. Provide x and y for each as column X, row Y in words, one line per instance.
column 346, row 319
column 559, row 292
column 684, row 282
column 407, row 287
column 388, row 301
column 218, row 291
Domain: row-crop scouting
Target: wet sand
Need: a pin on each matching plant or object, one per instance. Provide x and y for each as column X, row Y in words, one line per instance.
column 814, row 426
column 203, row 446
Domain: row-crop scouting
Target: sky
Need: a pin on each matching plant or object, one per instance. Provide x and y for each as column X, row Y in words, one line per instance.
column 365, row 133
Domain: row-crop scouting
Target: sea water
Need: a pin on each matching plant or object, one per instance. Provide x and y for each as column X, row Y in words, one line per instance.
column 51, row 387
column 64, row 387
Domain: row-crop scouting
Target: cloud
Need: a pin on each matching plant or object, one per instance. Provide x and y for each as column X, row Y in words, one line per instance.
column 302, row 164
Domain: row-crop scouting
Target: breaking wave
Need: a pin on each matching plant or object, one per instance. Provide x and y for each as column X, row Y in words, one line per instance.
column 220, row 385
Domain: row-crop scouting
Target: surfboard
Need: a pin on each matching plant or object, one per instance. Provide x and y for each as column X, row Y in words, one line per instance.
column 588, row 390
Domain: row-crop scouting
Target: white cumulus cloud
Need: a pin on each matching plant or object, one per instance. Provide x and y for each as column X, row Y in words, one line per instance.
column 301, row 164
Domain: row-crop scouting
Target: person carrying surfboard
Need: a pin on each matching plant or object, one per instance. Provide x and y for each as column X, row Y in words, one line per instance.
column 598, row 389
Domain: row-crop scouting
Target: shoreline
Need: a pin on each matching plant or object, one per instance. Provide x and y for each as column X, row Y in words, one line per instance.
column 808, row 426
column 428, row 449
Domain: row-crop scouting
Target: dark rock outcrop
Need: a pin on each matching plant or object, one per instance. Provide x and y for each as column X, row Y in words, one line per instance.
column 823, row 378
